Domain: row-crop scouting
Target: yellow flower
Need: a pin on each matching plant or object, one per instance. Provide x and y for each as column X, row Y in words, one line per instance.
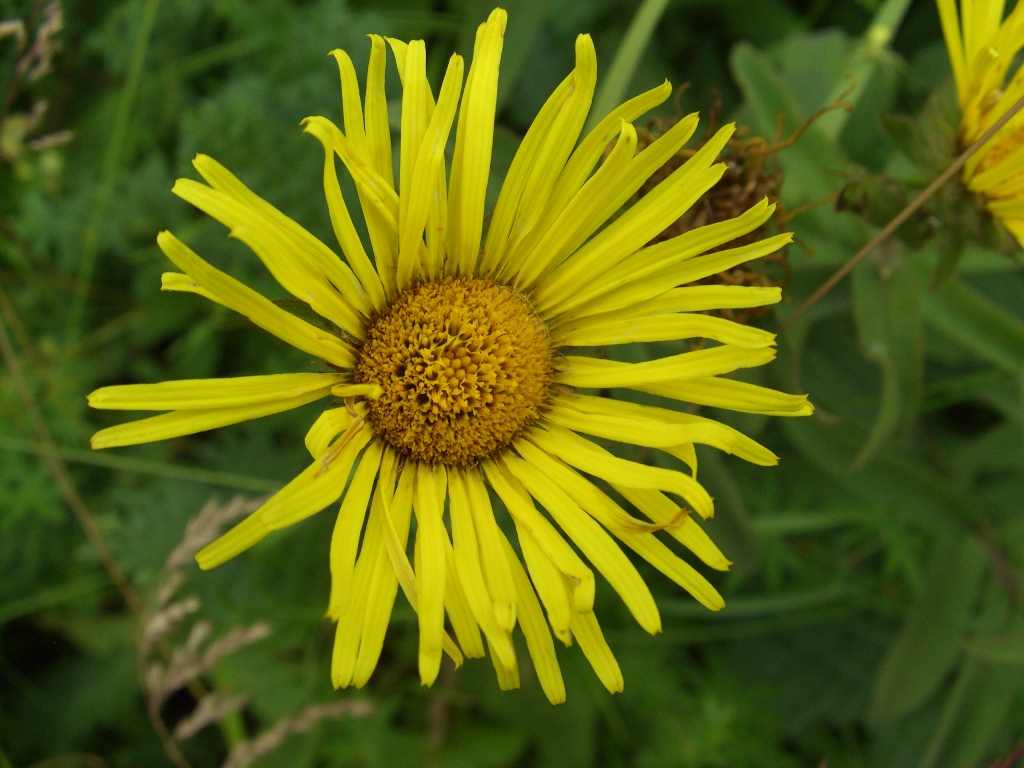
column 450, row 360
column 982, row 48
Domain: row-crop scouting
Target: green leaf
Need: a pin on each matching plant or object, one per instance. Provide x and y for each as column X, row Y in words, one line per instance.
column 906, row 486
column 1007, row 648
column 985, row 709
column 732, row 526
column 927, row 645
column 962, row 313
column 888, row 320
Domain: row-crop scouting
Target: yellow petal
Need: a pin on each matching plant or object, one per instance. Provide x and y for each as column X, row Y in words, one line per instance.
column 396, row 515
column 592, row 148
column 550, row 584
column 471, row 163
column 550, row 242
column 425, row 167
column 496, row 567
column 679, row 524
column 467, row 631
column 189, row 394
column 178, row 423
column 261, row 311
column 328, row 425
column 470, row 570
column 175, row 281
column 514, row 185
column 593, row 541
column 299, row 240
column 666, row 328
column 594, row 460
column 349, row 524
column 508, row 676
column 527, row 518
column 538, row 637
column 588, row 633
column 595, row 373
column 653, row 427
column 692, row 298
column 341, row 223
column 732, row 395
column 633, row 290
column 316, row 487
column 555, row 149
column 431, row 563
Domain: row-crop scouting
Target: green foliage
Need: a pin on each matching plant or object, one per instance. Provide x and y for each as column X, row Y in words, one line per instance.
column 873, row 613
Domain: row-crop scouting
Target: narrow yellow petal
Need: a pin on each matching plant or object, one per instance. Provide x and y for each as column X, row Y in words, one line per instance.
column 341, row 223
column 175, row 281
column 370, row 391
column 732, row 395
column 552, row 154
column 680, row 525
column 375, row 193
column 604, row 194
column 299, row 240
column 630, row 290
column 606, row 512
column 593, row 541
column 520, row 506
column 550, row 584
column 550, row 242
column 666, row 328
column 396, row 516
column 692, row 298
column 348, row 526
column 508, row 676
column 594, row 460
column 510, row 197
column 470, row 570
column 648, row 261
column 471, row 162
column 378, row 131
column 583, row 492
column 189, row 394
column 538, row 636
column 352, row 108
column 353, row 615
column 178, row 423
column 318, row 486
column 425, row 167
column 261, row 311
column 592, row 148
column 431, row 561
column 587, row 631
column 328, row 425
column 496, row 567
column 595, row 373
column 456, row 604
column 652, row 427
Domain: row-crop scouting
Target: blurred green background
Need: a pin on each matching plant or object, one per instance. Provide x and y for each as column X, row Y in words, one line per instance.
column 874, row 610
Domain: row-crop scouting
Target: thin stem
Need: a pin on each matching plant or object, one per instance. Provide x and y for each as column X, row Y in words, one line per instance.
column 55, row 466
column 903, row 215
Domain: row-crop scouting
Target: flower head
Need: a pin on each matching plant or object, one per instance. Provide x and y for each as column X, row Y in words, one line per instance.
column 450, row 362
column 982, row 48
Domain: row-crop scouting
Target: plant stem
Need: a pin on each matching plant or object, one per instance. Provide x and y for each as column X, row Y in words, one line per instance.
column 902, row 216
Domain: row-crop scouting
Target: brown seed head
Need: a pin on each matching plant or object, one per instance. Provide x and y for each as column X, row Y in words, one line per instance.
column 465, row 365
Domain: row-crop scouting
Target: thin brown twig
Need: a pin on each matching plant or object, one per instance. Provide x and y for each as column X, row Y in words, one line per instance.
column 55, row 466
column 1010, row 760
column 12, row 87
column 903, row 215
